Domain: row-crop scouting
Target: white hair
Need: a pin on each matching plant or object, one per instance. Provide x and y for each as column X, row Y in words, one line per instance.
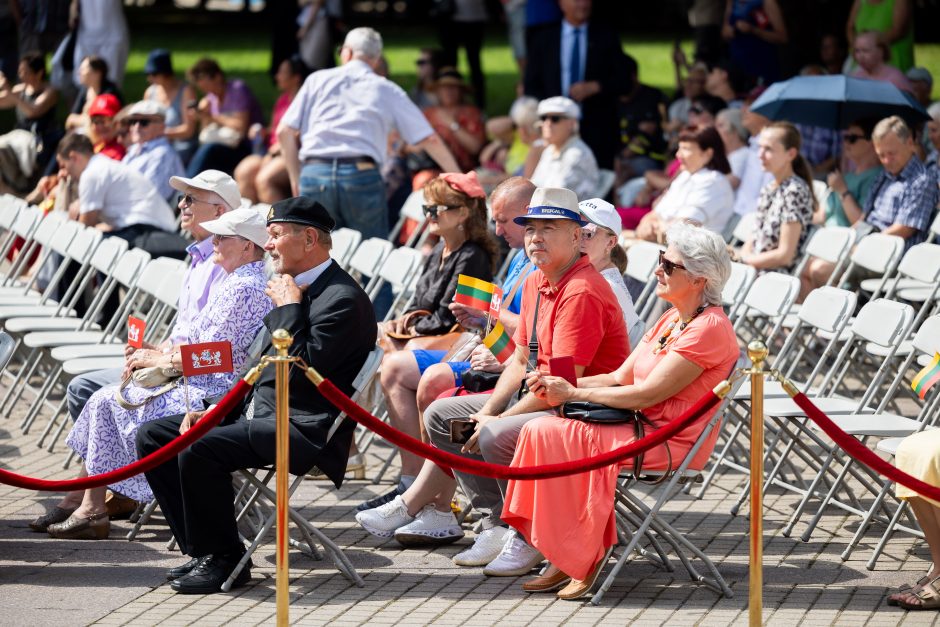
column 523, row 112
column 735, row 120
column 892, row 125
column 364, row 42
column 704, row 255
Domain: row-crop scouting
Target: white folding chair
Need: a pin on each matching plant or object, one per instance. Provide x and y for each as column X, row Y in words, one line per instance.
column 736, row 288
column 744, row 229
column 400, row 270
column 642, row 261
column 367, row 260
column 880, row 254
column 411, row 210
column 345, row 241
column 766, row 305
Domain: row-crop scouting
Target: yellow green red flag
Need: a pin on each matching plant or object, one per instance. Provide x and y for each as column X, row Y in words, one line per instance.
column 473, row 292
column 927, row 377
column 499, row 343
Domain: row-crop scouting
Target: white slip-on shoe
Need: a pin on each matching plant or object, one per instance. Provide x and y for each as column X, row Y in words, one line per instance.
column 517, row 558
column 382, row 521
column 485, row 549
column 430, row 527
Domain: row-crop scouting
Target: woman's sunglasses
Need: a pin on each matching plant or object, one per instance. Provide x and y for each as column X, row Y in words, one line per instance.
column 141, row 122
column 851, row 138
column 668, row 266
column 432, row 211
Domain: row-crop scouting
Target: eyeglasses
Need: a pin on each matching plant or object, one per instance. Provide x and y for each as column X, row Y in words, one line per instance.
column 423, row 62
column 697, row 110
column 189, row 200
column 141, row 122
column 218, row 238
column 432, row 211
column 554, row 119
column 668, row 266
column 851, row 138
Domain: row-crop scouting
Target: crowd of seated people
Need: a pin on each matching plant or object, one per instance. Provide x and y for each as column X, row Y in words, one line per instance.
column 686, row 173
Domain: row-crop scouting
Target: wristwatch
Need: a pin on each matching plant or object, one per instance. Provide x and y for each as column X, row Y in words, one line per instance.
column 454, row 126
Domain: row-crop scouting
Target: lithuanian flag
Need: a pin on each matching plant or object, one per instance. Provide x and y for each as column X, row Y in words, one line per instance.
column 927, row 377
column 499, row 343
column 473, row 292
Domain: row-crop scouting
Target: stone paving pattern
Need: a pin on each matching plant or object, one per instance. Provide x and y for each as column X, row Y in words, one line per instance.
column 44, row 581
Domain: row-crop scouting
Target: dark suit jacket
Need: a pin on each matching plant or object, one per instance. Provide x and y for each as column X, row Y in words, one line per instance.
column 334, row 330
column 604, row 64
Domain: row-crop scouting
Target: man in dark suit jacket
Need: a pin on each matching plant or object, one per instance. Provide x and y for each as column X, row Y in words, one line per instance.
column 599, row 80
column 333, row 326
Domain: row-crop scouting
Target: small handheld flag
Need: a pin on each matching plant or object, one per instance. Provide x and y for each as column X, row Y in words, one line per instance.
column 927, row 377
column 135, row 332
column 496, row 302
column 499, row 343
column 473, row 292
column 206, row 358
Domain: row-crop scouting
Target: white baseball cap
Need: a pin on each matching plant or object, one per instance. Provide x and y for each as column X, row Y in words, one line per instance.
column 247, row 222
column 559, row 105
column 211, row 181
column 147, row 108
column 601, row 213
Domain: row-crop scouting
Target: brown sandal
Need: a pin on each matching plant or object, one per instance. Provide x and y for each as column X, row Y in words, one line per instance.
column 928, row 595
column 906, row 589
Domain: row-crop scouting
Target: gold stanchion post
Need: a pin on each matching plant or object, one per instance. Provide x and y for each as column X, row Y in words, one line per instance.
column 281, row 340
column 757, row 352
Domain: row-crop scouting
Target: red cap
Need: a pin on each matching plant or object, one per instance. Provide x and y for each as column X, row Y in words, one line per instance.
column 106, row 105
column 467, row 183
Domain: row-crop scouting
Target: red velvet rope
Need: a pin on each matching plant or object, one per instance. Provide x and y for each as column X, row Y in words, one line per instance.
column 161, row 455
column 862, row 453
column 472, row 466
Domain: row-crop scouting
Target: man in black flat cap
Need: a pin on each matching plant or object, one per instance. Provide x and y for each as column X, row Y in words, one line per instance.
column 333, row 325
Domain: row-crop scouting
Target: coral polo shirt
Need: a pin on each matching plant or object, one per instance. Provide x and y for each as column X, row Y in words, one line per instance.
column 580, row 317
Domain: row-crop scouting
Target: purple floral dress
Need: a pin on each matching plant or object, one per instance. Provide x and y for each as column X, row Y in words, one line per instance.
column 104, row 434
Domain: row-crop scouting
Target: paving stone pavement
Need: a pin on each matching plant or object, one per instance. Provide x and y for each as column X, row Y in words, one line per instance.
column 44, row 581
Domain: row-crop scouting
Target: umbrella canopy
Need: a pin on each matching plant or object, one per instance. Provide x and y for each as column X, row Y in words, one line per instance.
column 836, row 101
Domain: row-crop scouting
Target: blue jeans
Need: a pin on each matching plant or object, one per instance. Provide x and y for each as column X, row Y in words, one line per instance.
column 355, row 198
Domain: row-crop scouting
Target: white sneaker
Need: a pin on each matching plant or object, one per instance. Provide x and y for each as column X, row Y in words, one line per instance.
column 485, row 548
column 383, row 520
column 430, row 527
column 516, row 558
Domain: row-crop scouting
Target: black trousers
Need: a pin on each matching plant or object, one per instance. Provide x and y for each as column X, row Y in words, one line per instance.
column 195, row 489
column 453, row 35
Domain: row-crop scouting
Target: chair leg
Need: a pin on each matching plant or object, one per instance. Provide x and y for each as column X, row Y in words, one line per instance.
column 142, row 520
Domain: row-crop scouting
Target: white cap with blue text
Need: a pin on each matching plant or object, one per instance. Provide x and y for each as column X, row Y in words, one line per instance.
column 552, row 203
column 601, row 213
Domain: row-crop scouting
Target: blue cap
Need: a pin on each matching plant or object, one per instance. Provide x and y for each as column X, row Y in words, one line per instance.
column 552, row 203
column 158, row 62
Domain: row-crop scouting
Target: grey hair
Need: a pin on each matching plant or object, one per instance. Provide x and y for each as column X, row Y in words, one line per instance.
column 364, row 42
column 934, row 111
column 523, row 112
column 735, row 120
column 893, row 124
column 704, row 255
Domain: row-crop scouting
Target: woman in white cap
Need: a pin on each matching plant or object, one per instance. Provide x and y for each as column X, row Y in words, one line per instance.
column 599, row 243
column 566, row 161
column 104, row 433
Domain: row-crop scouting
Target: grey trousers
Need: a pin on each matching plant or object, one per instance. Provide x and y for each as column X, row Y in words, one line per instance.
column 83, row 386
column 497, row 445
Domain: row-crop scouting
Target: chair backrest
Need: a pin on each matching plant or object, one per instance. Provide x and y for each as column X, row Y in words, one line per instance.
column 400, row 267
column 921, row 262
column 369, row 256
column 927, row 338
column 878, row 252
column 821, row 191
column 345, row 241
column 10, row 207
column 642, row 259
column 411, row 209
column 827, row 308
column 84, row 243
column 884, row 322
column 773, row 293
column 168, row 289
column 131, row 266
column 26, row 221
column 368, row 370
column 107, row 253
column 831, row 243
column 47, row 227
column 62, row 238
column 935, row 227
column 605, row 180
column 7, row 346
column 744, row 229
column 742, row 275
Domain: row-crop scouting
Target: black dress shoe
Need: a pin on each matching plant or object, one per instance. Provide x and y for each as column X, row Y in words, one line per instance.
column 185, row 569
column 210, row 573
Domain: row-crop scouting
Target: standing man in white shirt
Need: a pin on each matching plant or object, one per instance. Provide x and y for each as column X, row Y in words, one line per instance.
column 119, row 200
column 334, row 135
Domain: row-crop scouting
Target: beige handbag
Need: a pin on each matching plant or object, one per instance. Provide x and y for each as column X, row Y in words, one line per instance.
column 154, row 377
column 215, row 133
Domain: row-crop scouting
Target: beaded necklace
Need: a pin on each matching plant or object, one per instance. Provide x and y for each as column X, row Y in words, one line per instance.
column 661, row 344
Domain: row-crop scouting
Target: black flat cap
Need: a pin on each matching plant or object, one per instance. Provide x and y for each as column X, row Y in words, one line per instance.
column 302, row 210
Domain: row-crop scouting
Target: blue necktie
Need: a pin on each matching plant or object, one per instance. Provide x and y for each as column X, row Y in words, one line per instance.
column 574, row 67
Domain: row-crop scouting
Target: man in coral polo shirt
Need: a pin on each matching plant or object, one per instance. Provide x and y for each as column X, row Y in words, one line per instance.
column 578, row 316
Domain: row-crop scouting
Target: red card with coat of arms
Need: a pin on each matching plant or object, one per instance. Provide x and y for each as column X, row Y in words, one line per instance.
column 206, row 358
column 135, row 332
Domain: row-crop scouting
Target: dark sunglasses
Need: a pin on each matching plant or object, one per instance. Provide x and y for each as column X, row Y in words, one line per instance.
column 851, row 138
column 668, row 266
column 141, row 122
column 432, row 211
column 554, row 119
column 189, row 201
column 697, row 110
column 423, row 62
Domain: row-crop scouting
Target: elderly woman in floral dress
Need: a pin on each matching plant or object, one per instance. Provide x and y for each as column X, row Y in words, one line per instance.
column 104, row 433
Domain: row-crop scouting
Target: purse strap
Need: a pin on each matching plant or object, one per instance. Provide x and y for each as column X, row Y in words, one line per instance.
column 519, row 281
column 533, row 336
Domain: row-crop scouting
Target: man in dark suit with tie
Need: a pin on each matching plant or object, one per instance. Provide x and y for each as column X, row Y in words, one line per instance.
column 333, row 326
column 583, row 60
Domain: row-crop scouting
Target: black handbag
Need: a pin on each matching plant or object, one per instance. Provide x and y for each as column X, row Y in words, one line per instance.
column 597, row 413
column 477, row 381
